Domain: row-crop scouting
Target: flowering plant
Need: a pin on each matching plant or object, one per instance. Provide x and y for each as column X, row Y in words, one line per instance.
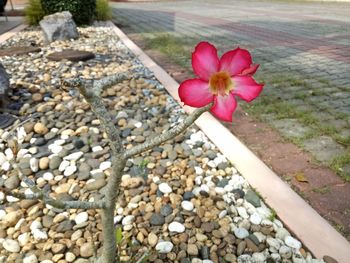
column 220, row 80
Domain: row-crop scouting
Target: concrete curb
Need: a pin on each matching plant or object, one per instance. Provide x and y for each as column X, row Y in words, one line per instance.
column 313, row 231
column 12, row 32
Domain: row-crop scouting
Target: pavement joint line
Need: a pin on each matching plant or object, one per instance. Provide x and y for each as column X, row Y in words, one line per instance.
column 313, row 230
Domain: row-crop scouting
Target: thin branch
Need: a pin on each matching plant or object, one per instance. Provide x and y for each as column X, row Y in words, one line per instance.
column 54, row 202
column 92, row 95
column 150, row 143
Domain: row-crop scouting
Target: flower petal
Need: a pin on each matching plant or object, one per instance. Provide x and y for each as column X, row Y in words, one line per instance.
column 224, row 106
column 246, row 88
column 235, row 61
column 205, row 61
column 251, row 70
column 195, row 93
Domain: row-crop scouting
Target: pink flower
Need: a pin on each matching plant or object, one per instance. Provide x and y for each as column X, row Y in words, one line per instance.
column 220, row 80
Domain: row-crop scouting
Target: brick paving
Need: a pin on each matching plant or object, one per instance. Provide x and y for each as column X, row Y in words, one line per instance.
column 307, row 41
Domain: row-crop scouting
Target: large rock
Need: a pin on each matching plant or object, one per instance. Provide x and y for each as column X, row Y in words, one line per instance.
column 59, row 26
column 4, row 85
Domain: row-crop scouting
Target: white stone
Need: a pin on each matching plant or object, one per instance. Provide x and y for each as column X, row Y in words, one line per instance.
column 176, row 227
column 39, row 235
column 105, row 165
column 11, row 199
column 64, row 164
column 205, row 188
column 274, row 244
column 6, row 166
column 164, row 247
column 117, row 219
column 242, row 212
column 70, row 170
column 20, row 222
column 128, row 220
column 9, row 154
column 241, row 233
column 255, row 218
column 285, row 252
column 198, row 170
column 292, row 242
column 59, row 142
column 97, row 148
column 47, row 176
column 259, row 258
column 222, row 214
column 55, row 148
column 34, row 164
column 30, row 259
column 198, row 180
column 11, row 245
column 35, row 225
column 21, row 134
column 156, row 179
column 23, row 239
column 211, row 164
column 20, row 154
column 2, row 214
column 70, row 257
column 81, row 218
column 165, row 188
column 73, row 156
column 187, row 205
column 282, row 233
column 207, row 261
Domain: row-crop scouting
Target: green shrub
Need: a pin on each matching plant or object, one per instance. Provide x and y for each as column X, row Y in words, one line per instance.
column 83, row 11
column 34, row 12
column 103, row 10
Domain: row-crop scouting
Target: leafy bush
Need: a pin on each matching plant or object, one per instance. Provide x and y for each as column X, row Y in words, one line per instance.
column 34, row 12
column 83, row 11
column 103, row 10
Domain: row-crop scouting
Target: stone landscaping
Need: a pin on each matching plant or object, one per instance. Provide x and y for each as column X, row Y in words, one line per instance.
column 181, row 202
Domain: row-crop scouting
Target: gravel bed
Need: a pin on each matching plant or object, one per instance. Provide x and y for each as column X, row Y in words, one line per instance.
column 182, row 201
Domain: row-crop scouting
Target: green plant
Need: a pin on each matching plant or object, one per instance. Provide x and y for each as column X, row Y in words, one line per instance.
column 83, row 11
column 34, row 12
column 103, row 10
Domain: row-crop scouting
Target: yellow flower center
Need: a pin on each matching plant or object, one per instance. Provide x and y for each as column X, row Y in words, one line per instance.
column 220, row 83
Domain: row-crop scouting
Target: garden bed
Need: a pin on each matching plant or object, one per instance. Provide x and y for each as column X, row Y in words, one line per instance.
column 182, row 202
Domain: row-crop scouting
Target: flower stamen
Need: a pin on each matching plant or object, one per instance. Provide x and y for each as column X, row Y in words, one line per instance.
column 221, row 83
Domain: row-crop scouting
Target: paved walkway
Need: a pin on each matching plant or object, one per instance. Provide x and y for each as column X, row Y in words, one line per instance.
column 303, row 49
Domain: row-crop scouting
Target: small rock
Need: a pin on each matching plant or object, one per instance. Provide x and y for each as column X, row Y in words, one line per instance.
column 11, row 245
column 157, row 219
column 152, row 239
column 192, row 249
column 81, row 218
column 176, row 227
column 187, row 205
column 252, row 198
column 164, row 247
column 165, row 188
column 86, row 250
column 241, row 232
column 30, row 259
column 166, row 210
column 40, row 128
column 292, row 242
